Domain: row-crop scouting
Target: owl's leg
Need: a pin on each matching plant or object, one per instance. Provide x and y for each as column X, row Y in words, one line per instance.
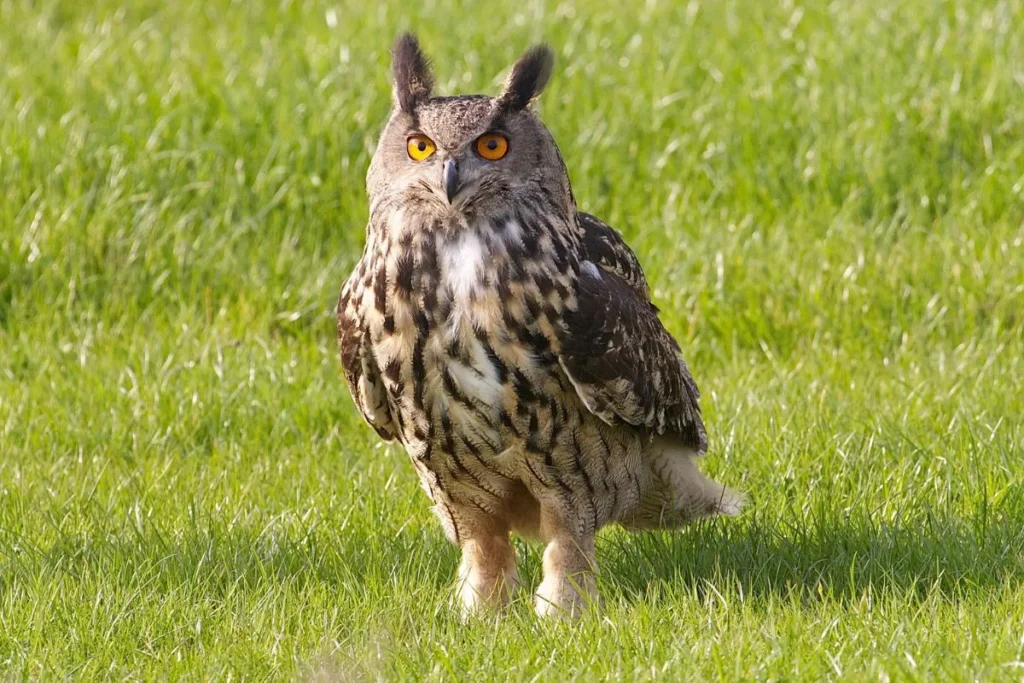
column 569, row 585
column 487, row 572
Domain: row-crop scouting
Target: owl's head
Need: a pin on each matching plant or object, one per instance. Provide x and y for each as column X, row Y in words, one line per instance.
column 468, row 155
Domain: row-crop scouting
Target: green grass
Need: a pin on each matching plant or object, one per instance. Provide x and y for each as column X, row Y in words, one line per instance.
column 829, row 202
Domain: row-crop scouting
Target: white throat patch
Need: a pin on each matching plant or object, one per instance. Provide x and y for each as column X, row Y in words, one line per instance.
column 463, row 260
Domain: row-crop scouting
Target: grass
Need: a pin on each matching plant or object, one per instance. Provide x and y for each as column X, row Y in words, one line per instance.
column 829, row 202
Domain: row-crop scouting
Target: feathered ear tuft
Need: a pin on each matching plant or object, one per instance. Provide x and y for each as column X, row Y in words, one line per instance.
column 527, row 78
column 413, row 78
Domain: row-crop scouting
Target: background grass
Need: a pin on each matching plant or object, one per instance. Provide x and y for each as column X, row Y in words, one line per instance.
column 829, row 201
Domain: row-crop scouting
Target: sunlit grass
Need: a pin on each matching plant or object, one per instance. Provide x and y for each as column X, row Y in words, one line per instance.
column 829, row 201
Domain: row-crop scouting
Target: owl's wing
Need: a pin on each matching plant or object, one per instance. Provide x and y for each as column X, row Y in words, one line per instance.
column 625, row 365
column 606, row 248
column 361, row 373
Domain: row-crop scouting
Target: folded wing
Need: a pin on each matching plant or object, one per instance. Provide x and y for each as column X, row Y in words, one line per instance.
column 361, row 373
column 624, row 364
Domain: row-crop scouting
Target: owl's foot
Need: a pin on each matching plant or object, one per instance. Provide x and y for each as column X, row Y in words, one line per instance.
column 487, row 574
column 569, row 587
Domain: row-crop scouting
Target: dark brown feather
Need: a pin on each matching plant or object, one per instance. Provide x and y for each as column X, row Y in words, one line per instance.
column 362, row 373
column 527, row 79
column 625, row 365
column 605, row 247
column 413, row 77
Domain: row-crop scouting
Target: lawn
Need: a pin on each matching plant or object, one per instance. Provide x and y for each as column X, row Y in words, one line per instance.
column 829, row 202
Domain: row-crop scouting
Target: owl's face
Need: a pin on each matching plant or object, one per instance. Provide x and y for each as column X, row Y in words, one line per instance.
column 465, row 156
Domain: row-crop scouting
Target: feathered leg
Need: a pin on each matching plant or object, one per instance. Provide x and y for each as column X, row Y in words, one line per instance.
column 487, row 573
column 569, row 584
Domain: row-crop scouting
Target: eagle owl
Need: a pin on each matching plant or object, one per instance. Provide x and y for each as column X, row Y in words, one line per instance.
column 509, row 342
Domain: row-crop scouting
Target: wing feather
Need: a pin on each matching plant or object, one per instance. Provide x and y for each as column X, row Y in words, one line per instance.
column 624, row 364
column 606, row 248
column 361, row 373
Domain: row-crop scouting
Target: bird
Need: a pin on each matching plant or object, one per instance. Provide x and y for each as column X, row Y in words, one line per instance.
column 509, row 342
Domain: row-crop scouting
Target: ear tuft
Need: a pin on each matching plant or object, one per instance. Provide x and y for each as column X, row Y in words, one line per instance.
column 413, row 78
column 527, row 78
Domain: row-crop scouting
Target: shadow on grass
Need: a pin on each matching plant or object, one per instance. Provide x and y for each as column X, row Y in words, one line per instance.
column 839, row 557
column 829, row 555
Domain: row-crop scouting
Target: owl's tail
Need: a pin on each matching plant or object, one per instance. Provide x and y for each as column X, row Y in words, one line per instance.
column 694, row 493
column 681, row 493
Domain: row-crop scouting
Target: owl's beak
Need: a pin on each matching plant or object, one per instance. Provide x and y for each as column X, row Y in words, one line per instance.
column 451, row 179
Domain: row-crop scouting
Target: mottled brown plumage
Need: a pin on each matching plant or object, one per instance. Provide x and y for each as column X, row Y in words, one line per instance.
column 508, row 341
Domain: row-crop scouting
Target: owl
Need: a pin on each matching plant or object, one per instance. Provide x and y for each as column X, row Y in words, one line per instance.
column 508, row 341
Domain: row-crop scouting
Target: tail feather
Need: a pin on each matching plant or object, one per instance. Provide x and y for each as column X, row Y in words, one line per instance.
column 682, row 493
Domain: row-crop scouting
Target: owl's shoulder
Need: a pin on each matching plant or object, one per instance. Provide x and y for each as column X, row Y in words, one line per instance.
column 605, row 247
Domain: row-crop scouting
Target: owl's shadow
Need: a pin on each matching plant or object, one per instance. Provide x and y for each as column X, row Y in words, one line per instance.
column 839, row 558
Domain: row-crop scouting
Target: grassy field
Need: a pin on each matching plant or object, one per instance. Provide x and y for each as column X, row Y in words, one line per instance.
column 829, row 202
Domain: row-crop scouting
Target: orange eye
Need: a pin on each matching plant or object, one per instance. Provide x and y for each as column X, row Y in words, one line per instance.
column 492, row 146
column 420, row 147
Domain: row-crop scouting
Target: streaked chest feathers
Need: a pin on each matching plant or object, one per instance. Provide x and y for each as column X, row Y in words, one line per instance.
column 464, row 326
column 472, row 304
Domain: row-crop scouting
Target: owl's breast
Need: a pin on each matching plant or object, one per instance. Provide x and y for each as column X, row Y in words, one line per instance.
column 463, row 338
